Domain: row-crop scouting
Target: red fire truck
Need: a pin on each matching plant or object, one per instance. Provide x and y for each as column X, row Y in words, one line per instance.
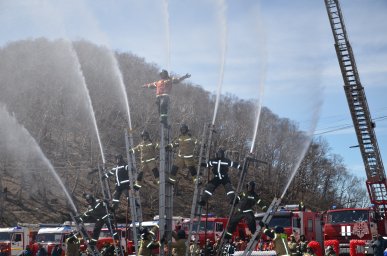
column 344, row 225
column 48, row 237
column 212, row 228
column 297, row 222
column 14, row 240
column 349, row 224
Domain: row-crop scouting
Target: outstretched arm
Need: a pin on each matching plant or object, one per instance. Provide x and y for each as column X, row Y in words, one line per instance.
column 150, row 85
column 179, row 79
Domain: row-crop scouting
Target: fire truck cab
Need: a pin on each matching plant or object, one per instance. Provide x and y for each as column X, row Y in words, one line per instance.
column 14, row 240
column 48, row 237
column 349, row 224
column 212, row 228
column 297, row 222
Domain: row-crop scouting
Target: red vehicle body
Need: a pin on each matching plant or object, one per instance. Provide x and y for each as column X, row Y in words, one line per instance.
column 348, row 224
column 14, row 240
column 296, row 222
column 49, row 237
column 212, row 228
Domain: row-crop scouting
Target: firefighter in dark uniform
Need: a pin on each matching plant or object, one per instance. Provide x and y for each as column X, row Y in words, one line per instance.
column 247, row 200
column 121, row 175
column 186, row 153
column 148, row 241
column 219, row 165
column 163, row 88
column 98, row 213
column 148, row 154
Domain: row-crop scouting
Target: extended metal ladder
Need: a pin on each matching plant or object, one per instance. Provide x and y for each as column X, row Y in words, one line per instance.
column 196, row 209
column 166, row 190
column 358, row 106
column 266, row 219
column 134, row 196
column 108, row 197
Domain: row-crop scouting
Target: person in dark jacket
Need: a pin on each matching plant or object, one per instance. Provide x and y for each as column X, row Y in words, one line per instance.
column 121, row 175
column 98, row 212
column 247, row 201
column 56, row 251
column 41, row 251
column 219, row 166
column 378, row 245
column 163, row 89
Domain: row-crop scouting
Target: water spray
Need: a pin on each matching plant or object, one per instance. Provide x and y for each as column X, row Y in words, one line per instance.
column 8, row 120
column 222, row 7
column 167, row 33
column 87, row 94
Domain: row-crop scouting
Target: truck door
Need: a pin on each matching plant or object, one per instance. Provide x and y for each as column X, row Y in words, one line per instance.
column 17, row 243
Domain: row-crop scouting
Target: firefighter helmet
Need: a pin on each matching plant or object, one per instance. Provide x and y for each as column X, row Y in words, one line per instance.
column 183, row 128
column 250, row 185
column 119, row 158
column 89, row 198
column 164, row 74
column 279, row 229
column 181, row 234
column 144, row 135
column 220, row 153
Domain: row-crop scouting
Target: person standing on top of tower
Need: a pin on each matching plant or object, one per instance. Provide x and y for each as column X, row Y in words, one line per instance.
column 185, row 155
column 148, row 155
column 246, row 201
column 219, row 165
column 163, row 88
column 120, row 172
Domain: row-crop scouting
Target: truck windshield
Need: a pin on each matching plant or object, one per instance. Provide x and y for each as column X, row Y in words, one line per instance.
column 210, row 226
column 105, row 233
column 5, row 236
column 49, row 238
column 283, row 221
column 347, row 216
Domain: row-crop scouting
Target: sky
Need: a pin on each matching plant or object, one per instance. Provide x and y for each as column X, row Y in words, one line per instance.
column 279, row 53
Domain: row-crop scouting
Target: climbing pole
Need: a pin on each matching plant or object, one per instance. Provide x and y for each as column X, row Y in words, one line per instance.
column 134, row 196
column 166, row 189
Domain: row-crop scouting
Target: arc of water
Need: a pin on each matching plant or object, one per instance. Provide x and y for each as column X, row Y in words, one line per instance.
column 167, row 33
column 15, row 124
column 87, row 95
column 222, row 7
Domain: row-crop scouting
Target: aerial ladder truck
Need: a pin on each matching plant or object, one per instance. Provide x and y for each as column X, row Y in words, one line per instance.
column 375, row 221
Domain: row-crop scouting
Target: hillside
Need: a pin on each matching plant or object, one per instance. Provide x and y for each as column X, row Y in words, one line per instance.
column 57, row 96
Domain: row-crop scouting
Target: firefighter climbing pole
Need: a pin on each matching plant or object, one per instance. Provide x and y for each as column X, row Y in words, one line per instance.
column 358, row 106
column 134, row 196
column 166, row 189
column 196, row 209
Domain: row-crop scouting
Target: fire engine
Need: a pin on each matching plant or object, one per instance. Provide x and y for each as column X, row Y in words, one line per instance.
column 14, row 240
column 212, row 228
column 360, row 224
column 48, row 237
column 296, row 221
column 349, row 224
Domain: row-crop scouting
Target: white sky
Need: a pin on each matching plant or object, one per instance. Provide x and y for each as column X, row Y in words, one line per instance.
column 286, row 44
